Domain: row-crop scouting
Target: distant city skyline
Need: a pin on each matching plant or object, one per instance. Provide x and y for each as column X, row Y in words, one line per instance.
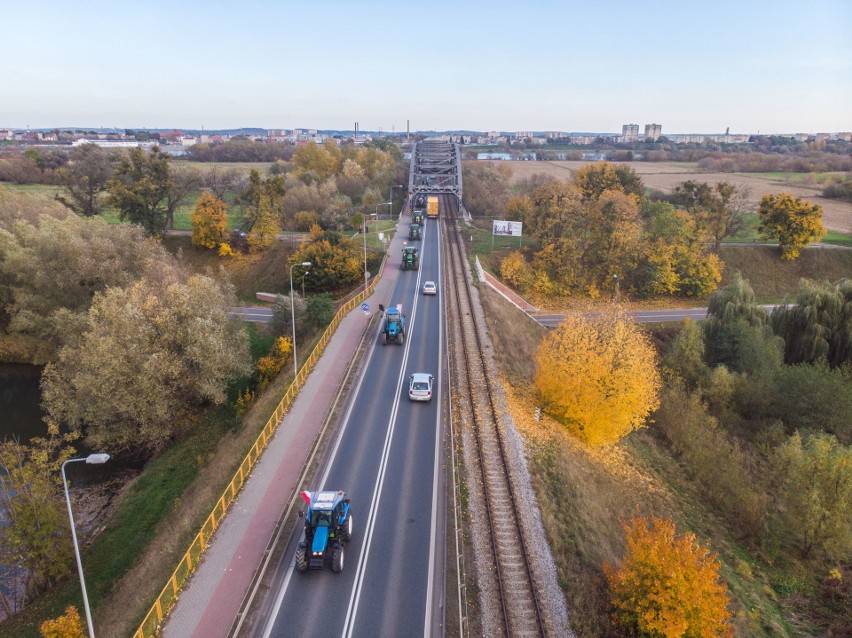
column 768, row 67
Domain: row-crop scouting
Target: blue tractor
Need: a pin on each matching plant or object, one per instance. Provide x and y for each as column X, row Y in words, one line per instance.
column 328, row 526
column 394, row 330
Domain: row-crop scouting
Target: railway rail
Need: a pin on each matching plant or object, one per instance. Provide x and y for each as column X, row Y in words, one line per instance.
column 512, row 578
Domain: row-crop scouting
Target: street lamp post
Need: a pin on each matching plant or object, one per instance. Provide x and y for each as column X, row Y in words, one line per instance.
column 91, row 459
column 305, row 264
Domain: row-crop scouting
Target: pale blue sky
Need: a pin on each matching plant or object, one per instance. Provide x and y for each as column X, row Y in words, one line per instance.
column 772, row 66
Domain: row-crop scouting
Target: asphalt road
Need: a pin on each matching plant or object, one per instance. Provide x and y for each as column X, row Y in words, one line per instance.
column 387, row 459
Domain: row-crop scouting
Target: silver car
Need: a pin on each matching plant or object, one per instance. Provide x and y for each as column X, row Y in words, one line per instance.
column 430, row 288
column 420, row 387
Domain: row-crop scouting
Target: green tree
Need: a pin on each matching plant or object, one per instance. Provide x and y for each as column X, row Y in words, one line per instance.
column 686, row 357
column 181, row 184
column 85, row 180
column 668, row 585
column 816, row 479
column 818, row 325
column 598, row 376
column 165, row 339
column 140, row 189
column 795, row 223
column 209, row 221
column 320, row 310
column 736, row 331
column 35, row 547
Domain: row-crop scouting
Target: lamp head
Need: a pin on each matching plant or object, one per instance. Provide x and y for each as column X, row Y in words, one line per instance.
column 97, row 459
column 305, row 263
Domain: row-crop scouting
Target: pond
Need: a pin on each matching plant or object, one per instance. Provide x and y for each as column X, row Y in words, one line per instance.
column 21, row 415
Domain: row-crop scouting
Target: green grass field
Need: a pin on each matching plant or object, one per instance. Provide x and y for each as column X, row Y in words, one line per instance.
column 40, row 190
column 243, row 167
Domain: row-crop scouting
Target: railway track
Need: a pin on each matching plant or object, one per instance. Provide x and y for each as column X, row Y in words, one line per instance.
column 511, row 580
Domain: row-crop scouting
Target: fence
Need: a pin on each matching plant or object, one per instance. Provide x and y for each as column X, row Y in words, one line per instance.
column 168, row 596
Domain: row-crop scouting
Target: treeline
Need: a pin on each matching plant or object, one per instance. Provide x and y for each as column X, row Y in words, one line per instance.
column 240, row 150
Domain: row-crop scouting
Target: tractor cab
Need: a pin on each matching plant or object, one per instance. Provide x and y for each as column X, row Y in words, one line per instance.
column 328, row 526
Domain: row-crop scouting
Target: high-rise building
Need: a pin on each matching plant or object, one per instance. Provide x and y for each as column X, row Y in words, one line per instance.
column 630, row 133
column 653, row 131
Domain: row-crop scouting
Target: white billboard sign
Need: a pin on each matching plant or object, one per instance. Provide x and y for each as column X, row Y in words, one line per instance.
column 506, row 229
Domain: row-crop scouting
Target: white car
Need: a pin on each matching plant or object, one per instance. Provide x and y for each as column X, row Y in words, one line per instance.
column 430, row 288
column 420, row 387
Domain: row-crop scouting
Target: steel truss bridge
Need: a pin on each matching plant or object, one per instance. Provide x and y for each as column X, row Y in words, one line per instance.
column 435, row 169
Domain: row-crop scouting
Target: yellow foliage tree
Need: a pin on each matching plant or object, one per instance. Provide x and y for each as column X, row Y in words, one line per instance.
column 271, row 364
column 668, row 585
column 209, row 221
column 262, row 235
column 515, row 270
column 793, row 222
column 69, row 625
column 598, row 376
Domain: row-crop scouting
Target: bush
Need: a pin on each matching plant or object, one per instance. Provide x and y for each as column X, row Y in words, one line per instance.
column 320, row 310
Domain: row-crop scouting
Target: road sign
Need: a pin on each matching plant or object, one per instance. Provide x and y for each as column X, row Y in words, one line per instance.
column 365, row 307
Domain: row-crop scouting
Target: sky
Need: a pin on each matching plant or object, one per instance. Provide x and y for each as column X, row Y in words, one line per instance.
column 751, row 65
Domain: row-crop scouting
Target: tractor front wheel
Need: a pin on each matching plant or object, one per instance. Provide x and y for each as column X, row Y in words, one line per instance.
column 337, row 558
column 385, row 338
column 302, row 558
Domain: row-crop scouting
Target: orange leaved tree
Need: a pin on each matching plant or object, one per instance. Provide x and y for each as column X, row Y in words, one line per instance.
column 209, row 221
column 69, row 625
column 597, row 375
column 668, row 585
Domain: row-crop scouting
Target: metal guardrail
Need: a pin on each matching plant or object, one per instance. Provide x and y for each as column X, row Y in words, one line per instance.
column 150, row 627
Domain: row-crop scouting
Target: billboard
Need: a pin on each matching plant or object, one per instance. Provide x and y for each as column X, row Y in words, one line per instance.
column 506, row 229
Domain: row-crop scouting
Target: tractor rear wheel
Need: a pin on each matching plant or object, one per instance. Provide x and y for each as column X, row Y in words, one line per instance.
column 416, row 264
column 346, row 529
column 337, row 558
column 302, row 558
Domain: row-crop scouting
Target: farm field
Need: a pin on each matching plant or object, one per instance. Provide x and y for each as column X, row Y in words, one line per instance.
column 664, row 176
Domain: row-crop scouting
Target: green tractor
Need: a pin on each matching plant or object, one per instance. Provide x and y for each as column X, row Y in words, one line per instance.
column 410, row 259
column 414, row 231
column 417, row 218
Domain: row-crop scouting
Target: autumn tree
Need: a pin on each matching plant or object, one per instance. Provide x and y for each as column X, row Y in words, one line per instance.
column 816, row 477
column 264, row 231
column 140, row 188
column 675, row 257
column 818, row 325
column 35, row 547
column 598, row 376
column 85, row 179
column 668, row 585
column 794, row 222
column 594, row 179
column 517, row 208
column 219, row 180
column 51, row 269
column 209, row 221
column 719, row 210
column 167, row 339
column 323, row 161
column 337, row 261
column 486, row 191
column 68, row 625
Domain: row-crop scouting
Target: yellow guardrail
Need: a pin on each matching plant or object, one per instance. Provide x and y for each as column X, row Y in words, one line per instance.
column 150, row 627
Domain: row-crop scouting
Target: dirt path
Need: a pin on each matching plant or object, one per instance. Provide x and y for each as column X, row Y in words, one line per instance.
column 665, row 176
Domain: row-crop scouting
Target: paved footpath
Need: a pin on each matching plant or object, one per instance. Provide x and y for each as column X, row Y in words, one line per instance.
column 210, row 603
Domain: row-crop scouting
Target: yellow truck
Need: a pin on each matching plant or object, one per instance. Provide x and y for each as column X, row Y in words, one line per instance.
column 432, row 207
